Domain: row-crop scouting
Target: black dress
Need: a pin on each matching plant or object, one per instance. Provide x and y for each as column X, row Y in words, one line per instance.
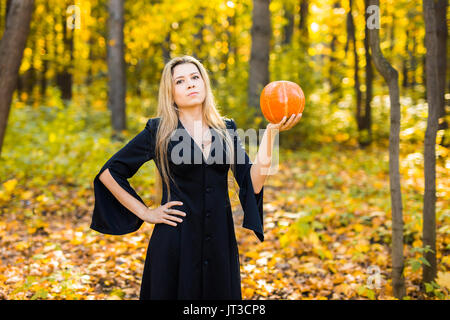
column 199, row 258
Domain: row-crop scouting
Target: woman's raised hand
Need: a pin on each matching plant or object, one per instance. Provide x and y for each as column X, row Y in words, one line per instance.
column 163, row 214
column 285, row 123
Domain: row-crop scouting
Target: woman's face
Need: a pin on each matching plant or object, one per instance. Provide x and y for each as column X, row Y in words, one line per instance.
column 188, row 86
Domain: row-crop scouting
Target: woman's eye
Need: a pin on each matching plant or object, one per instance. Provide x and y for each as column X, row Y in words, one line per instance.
column 194, row 77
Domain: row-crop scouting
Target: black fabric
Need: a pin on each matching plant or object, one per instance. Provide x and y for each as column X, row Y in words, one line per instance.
column 199, row 258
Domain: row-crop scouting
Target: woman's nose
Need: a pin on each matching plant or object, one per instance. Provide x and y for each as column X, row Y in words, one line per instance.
column 190, row 83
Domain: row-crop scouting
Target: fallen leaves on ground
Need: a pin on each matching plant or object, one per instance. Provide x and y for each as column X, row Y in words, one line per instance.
column 327, row 236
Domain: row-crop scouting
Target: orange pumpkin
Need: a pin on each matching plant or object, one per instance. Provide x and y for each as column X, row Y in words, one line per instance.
column 281, row 98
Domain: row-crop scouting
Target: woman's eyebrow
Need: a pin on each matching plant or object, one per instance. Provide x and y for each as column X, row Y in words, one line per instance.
column 183, row 76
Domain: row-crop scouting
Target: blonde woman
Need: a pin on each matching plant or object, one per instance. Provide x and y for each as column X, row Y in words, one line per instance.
column 192, row 253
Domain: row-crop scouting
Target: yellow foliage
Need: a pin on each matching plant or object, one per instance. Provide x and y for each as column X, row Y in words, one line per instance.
column 443, row 279
column 10, row 185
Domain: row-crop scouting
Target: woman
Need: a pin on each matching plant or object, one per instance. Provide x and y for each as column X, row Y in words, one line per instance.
column 192, row 253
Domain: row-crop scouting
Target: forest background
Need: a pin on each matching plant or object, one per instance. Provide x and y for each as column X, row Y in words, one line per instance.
column 328, row 217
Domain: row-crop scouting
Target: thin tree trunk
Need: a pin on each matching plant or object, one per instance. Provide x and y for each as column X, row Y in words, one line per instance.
column 12, row 45
column 367, row 118
column 231, row 43
column 199, row 42
column 289, row 27
column 391, row 77
column 352, row 38
column 259, row 58
column 442, row 35
column 116, row 65
column 166, row 47
column 45, row 62
column 424, row 73
column 429, row 204
column 414, row 61
column 303, row 24
column 64, row 76
column 29, row 76
column 405, row 82
column 334, row 85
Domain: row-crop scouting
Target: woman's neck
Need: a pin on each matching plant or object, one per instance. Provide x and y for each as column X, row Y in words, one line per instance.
column 191, row 115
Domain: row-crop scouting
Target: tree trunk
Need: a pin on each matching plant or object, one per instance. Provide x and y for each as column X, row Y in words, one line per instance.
column 334, row 85
column 12, row 45
column 8, row 6
column 429, row 204
column 442, row 35
column 259, row 58
column 166, row 47
column 414, row 61
column 45, row 62
column 405, row 82
column 424, row 73
column 390, row 75
column 289, row 27
column 116, row 66
column 199, row 42
column 64, row 76
column 352, row 38
column 303, row 24
column 367, row 118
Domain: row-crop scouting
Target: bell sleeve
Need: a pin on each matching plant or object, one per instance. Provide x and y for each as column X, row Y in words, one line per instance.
column 109, row 215
column 252, row 204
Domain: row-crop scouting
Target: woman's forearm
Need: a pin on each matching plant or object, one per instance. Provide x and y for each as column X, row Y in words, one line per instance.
column 125, row 198
column 260, row 168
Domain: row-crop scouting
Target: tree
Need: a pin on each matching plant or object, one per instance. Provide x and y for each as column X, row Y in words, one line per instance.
column 390, row 75
column 259, row 57
column 366, row 119
column 303, row 24
column 64, row 76
column 288, row 29
column 351, row 37
column 116, row 65
column 442, row 35
column 429, row 203
column 335, row 85
column 12, row 45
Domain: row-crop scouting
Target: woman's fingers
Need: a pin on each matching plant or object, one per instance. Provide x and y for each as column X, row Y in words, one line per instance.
column 284, row 124
column 168, row 214
column 174, row 203
column 293, row 121
column 169, row 222
column 172, row 218
column 175, row 211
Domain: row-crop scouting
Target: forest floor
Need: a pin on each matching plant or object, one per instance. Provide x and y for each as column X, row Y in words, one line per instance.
column 327, row 230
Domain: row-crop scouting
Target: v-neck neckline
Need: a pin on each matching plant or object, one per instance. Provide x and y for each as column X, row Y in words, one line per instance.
column 195, row 143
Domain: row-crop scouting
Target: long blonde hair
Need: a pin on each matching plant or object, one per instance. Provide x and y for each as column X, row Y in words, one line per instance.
column 169, row 115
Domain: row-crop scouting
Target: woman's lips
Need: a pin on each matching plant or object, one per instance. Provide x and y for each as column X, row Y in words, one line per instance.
column 191, row 94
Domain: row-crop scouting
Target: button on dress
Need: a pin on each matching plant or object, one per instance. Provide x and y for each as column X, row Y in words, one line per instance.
column 198, row 258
